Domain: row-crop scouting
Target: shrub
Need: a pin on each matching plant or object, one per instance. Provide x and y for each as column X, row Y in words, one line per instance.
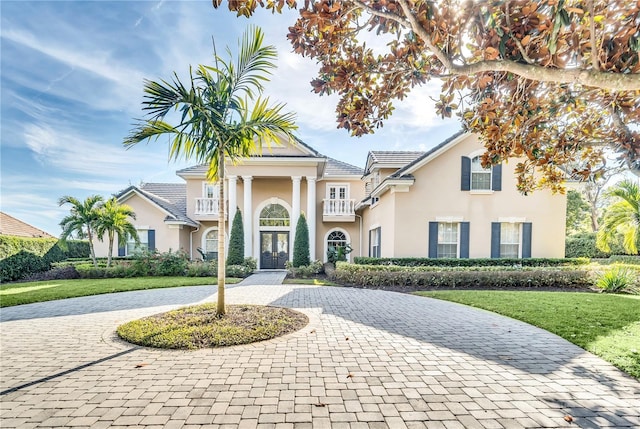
column 617, row 279
column 240, row 271
column 476, row 262
column 338, row 253
column 22, row 256
column 301, row 244
column 305, row 271
column 465, row 277
column 202, row 269
column 170, row 264
column 236, row 241
column 583, row 245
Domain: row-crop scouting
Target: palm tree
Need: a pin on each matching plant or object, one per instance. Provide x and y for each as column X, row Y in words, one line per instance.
column 215, row 120
column 622, row 218
column 113, row 218
column 81, row 220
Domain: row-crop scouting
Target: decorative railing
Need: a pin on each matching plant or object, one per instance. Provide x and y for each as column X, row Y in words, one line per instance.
column 206, row 206
column 338, row 207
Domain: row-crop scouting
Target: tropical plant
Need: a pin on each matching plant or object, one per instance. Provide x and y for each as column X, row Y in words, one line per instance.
column 622, row 217
column 113, row 218
column 236, row 241
column 546, row 81
column 338, row 253
column 301, row 243
column 81, row 220
column 616, row 279
column 216, row 122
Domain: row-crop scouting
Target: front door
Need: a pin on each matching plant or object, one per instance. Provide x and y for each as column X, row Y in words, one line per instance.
column 274, row 250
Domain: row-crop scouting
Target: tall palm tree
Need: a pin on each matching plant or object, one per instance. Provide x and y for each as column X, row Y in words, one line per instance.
column 113, row 218
column 215, row 119
column 81, row 220
column 622, row 218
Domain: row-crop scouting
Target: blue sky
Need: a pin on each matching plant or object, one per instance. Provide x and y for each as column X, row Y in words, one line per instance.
column 71, row 88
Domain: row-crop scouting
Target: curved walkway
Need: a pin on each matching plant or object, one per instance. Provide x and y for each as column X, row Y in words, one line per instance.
column 368, row 359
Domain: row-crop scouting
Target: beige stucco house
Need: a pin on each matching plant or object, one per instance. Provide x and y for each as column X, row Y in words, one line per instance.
column 439, row 203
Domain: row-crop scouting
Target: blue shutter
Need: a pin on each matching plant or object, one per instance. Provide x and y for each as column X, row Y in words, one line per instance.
column 152, row 239
column 379, row 253
column 496, row 178
column 465, row 177
column 370, row 243
column 433, row 239
column 526, row 240
column 495, row 239
column 121, row 251
column 464, row 239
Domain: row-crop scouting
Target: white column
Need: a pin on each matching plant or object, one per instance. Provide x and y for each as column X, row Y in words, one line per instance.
column 233, row 199
column 311, row 216
column 295, row 208
column 248, row 233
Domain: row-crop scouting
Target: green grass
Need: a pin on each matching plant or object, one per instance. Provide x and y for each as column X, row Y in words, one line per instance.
column 603, row 324
column 26, row 293
column 198, row 326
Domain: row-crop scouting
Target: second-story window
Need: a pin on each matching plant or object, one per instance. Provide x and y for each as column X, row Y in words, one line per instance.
column 480, row 177
column 337, row 192
column 210, row 190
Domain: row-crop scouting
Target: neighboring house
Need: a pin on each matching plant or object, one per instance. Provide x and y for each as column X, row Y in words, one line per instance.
column 439, row 203
column 17, row 228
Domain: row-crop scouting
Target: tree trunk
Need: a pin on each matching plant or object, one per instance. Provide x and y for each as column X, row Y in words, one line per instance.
column 110, row 252
column 221, row 209
column 93, row 252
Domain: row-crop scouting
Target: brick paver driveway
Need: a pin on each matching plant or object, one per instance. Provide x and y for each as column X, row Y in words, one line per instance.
column 368, row 359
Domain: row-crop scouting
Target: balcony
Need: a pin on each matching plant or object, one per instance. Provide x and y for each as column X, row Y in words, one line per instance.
column 335, row 210
column 206, row 208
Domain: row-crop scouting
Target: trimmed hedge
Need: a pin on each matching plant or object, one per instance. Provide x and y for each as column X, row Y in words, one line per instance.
column 476, row 262
column 466, row 277
column 23, row 256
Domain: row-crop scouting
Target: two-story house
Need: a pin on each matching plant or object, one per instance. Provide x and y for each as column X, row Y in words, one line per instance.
column 439, row 203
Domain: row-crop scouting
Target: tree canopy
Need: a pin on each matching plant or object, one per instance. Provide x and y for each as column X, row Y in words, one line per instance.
column 550, row 82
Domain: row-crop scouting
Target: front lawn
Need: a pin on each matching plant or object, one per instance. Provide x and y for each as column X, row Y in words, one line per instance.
column 603, row 324
column 26, row 293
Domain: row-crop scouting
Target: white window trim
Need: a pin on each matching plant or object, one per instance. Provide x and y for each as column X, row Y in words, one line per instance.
column 326, row 237
column 458, row 223
column 338, row 185
column 485, row 171
column 512, row 219
column 204, row 189
column 520, row 238
column 138, row 229
column 375, row 227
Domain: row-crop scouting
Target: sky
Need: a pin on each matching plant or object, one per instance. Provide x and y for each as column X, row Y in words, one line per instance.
column 71, row 80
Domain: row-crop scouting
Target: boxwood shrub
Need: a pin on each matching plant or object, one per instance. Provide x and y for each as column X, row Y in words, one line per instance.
column 462, row 277
column 476, row 262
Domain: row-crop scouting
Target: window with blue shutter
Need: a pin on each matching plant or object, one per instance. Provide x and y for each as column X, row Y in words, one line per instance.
column 151, row 235
column 526, row 239
column 464, row 239
column 495, row 239
column 465, row 177
column 496, row 178
column 433, row 239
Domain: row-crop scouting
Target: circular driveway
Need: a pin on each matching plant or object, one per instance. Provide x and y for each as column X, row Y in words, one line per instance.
column 367, row 359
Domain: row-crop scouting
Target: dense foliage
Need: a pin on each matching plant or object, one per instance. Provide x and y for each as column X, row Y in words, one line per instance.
column 547, row 81
column 468, row 262
column 22, row 256
column 236, row 241
column 415, row 278
column 301, row 256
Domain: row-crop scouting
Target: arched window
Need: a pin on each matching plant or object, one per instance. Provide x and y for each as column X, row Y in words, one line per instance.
column 211, row 241
column 480, row 177
column 274, row 215
column 336, row 238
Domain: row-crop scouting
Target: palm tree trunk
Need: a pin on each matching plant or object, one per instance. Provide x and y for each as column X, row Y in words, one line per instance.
column 221, row 209
column 93, row 252
column 110, row 252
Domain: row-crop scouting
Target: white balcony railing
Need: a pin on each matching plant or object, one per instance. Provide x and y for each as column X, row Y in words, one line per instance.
column 338, row 207
column 206, row 206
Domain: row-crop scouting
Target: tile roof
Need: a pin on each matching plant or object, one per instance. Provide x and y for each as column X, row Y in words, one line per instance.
column 172, row 197
column 391, row 157
column 424, row 155
column 9, row 225
column 339, row 168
